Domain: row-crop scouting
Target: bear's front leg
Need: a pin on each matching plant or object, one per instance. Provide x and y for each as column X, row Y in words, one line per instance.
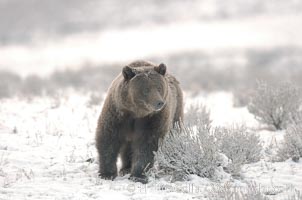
column 143, row 158
column 108, row 146
column 126, row 155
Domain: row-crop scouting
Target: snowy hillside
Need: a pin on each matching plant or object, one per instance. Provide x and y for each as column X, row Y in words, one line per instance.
column 58, row 58
column 47, row 152
column 112, row 46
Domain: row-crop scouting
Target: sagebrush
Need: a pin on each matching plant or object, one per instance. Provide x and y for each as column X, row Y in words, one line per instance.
column 276, row 105
column 191, row 150
column 292, row 144
column 239, row 145
column 197, row 148
column 198, row 115
column 296, row 195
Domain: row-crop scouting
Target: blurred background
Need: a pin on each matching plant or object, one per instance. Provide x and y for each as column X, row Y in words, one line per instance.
column 209, row 45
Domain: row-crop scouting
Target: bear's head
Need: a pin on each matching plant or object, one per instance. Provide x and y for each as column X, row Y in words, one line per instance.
column 144, row 89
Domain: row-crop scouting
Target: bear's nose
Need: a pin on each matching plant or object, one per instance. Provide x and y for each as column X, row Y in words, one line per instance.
column 159, row 105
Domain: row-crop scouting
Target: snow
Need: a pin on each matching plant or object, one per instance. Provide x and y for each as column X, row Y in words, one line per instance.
column 222, row 109
column 45, row 144
column 113, row 45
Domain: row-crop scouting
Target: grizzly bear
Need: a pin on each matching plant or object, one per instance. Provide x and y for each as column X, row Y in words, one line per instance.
column 143, row 103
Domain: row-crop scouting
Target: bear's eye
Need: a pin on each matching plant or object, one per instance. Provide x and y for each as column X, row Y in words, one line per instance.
column 159, row 88
column 145, row 91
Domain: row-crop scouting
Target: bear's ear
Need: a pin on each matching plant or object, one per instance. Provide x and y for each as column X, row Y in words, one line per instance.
column 161, row 69
column 128, row 73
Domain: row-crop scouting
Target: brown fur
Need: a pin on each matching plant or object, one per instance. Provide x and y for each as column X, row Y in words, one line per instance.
column 142, row 105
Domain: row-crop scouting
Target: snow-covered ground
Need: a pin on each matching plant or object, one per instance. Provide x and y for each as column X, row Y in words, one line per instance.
column 124, row 45
column 46, row 145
